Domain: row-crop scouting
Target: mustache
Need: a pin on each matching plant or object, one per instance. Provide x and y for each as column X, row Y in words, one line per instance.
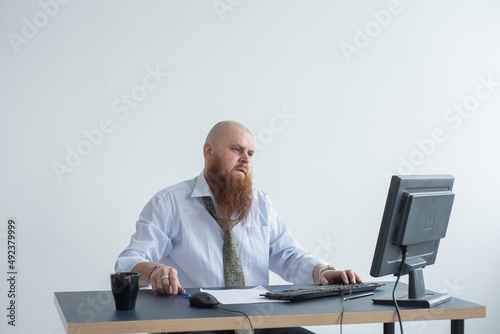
column 243, row 168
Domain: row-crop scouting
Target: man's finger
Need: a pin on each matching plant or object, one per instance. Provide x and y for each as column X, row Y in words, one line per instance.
column 351, row 276
column 345, row 277
column 165, row 283
column 171, row 281
column 351, row 279
column 174, row 283
column 358, row 279
column 158, row 287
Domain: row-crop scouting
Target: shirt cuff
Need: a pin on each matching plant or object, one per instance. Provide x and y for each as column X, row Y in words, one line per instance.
column 305, row 274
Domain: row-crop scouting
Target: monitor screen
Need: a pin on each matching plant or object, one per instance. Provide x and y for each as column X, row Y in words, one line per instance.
column 415, row 219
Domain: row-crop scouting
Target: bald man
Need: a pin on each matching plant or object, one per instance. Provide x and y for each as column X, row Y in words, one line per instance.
column 178, row 243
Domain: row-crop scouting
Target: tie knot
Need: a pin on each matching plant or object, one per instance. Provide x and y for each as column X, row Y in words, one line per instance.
column 225, row 224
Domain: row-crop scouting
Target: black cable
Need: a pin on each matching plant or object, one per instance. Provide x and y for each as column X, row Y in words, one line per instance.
column 343, row 301
column 404, row 251
column 249, row 321
column 341, row 314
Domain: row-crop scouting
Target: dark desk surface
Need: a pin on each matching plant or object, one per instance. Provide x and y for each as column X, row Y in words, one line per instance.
column 94, row 312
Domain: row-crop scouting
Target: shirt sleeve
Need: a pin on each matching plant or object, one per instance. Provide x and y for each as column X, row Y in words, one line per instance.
column 150, row 242
column 287, row 258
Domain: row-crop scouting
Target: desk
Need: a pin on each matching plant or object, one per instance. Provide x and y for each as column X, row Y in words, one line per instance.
column 94, row 312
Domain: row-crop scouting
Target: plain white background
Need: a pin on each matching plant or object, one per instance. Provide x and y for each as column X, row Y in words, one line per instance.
column 339, row 95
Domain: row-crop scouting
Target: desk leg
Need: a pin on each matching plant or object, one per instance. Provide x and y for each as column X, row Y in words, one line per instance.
column 388, row 328
column 457, row 326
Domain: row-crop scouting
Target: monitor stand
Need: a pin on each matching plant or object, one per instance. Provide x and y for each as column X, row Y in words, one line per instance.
column 417, row 296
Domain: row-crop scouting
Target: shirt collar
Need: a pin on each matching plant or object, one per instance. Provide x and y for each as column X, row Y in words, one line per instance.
column 201, row 187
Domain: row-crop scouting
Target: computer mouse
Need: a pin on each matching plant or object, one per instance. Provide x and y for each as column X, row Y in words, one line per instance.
column 202, row 299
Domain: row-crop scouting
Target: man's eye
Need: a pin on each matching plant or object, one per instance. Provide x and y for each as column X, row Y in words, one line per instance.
column 236, row 149
column 250, row 154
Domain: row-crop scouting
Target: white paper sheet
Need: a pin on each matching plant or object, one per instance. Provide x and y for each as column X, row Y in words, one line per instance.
column 242, row 296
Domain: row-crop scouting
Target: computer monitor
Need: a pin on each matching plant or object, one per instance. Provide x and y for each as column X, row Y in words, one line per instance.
column 415, row 218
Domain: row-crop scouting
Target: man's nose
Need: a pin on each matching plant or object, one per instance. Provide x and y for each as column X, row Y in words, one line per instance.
column 244, row 157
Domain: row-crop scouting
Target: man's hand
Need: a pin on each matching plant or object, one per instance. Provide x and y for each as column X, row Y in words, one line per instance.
column 339, row 277
column 164, row 281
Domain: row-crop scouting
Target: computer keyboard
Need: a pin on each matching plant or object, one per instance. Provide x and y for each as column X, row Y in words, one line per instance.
column 318, row 291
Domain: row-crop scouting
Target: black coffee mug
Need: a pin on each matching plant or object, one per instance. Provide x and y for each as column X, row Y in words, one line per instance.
column 125, row 287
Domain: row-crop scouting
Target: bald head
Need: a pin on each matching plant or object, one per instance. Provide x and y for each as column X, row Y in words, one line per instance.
column 222, row 129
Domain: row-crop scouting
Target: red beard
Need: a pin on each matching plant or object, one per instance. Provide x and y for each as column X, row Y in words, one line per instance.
column 232, row 194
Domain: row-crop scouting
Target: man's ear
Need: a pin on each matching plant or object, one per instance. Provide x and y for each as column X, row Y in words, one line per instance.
column 207, row 150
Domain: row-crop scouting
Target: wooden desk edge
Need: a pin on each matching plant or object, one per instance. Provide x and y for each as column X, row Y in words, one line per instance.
column 162, row 325
column 369, row 317
column 275, row 321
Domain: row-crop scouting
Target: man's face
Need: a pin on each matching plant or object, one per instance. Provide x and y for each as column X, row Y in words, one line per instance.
column 229, row 172
column 232, row 154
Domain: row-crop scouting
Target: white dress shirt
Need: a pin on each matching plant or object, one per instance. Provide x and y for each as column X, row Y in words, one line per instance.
column 175, row 229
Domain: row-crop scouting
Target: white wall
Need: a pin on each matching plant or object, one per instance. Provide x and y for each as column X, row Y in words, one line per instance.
column 334, row 112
